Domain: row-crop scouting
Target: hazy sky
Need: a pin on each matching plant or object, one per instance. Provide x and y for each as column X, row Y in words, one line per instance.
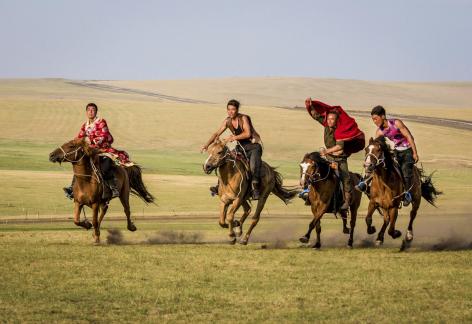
column 355, row 39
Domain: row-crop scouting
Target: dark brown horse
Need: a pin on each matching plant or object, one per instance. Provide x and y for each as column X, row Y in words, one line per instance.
column 317, row 172
column 234, row 188
column 387, row 190
column 89, row 187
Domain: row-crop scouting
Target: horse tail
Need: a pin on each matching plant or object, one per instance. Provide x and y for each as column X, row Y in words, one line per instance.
column 428, row 190
column 286, row 194
column 137, row 185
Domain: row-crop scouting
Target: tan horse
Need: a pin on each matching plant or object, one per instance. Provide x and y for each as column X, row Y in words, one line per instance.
column 387, row 190
column 88, row 185
column 234, row 188
column 317, row 172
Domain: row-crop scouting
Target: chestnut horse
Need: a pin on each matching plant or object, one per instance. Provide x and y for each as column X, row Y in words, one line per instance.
column 387, row 190
column 234, row 188
column 317, row 172
column 89, row 187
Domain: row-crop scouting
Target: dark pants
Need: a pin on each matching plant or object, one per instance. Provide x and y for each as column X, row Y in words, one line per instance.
column 254, row 154
column 107, row 166
column 344, row 173
column 406, row 162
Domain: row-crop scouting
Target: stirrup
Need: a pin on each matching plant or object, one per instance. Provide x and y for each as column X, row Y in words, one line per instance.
column 361, row 186
column 407, row 199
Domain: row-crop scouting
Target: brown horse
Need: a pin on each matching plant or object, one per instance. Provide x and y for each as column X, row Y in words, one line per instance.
column 234, row 188
column 89, row 187
column 317, row 172
column 387, row 190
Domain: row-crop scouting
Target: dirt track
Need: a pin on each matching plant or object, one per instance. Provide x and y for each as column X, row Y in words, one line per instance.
column 445, row 122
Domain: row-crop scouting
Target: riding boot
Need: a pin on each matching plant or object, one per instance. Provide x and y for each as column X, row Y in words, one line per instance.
column 255, row 190
column 407, row 197
column 214, row 190
column 347, row 200
column 112, row 184
column 69, row 191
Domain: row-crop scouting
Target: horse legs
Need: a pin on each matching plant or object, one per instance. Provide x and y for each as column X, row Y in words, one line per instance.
column 223, row 209
column 306, row 238
column 414, row 210
column 344, row 218
column 317, row 245
column 232, row 210
column 247, row 211
column 368, row 218
column 124, row 198
column 393, row 213
column 103, row 211
column 255, row 218
column 96, row 224
column 77, row 210
column 353, row 225
column 380, row 236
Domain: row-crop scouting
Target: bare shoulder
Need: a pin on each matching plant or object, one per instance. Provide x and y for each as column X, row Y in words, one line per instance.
column 399, row 123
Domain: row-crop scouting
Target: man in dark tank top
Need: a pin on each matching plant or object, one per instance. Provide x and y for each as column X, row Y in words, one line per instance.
column 242, row 131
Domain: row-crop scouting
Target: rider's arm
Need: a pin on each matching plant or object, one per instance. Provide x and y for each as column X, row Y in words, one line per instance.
column 82, row 132
column 336, row 149
column 215, row 135
column 316, row 109
column 246, row 130
column 406, row 132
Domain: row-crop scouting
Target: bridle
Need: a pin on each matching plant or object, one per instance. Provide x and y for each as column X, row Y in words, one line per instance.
column 65, row 158
column 315, row 176
column 379, row 160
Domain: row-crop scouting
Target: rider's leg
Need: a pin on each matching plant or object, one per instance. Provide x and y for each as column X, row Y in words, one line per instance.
column 405, row 158
column 107, row 167
column 68, row 190
column 254, row 152
column 346, row 179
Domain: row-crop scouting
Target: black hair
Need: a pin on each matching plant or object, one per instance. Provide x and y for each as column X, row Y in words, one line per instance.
column 333, row 112
column 91, row 104
column 233, row 102
column 378, row 110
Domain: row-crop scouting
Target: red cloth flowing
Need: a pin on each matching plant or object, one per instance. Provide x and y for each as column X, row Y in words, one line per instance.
column 346, row 127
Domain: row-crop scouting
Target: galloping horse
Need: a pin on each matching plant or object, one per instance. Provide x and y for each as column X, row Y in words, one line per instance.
column 88, row 186
column 234, row 185
column 387, row 190
column 317, row 172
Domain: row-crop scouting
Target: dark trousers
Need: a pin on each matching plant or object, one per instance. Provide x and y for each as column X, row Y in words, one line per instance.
column 254, row 154
column 344, row 173
column 107, row 166
column 406, row 162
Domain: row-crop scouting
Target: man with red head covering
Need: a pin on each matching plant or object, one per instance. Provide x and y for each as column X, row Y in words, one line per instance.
column 342, row 137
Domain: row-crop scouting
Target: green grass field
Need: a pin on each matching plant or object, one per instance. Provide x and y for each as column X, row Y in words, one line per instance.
column 52, row 272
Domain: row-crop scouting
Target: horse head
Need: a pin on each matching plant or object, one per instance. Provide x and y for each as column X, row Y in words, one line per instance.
column 312, row 166
column 73, row 151
column 376, row 153
column 217, row 152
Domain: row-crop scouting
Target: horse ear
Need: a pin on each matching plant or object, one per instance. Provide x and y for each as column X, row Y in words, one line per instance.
column 217, row 141
column 371, row 141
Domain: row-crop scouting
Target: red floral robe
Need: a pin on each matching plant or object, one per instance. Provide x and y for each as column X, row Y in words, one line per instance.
column 99, row 136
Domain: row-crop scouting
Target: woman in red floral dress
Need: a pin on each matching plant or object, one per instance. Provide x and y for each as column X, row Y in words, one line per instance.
column 96, row 133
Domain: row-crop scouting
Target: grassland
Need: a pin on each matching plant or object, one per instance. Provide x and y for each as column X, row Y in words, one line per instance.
column 51, row 272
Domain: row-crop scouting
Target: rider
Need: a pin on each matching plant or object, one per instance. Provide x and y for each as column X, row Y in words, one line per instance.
column 342, row 137
column 242, row 131
column 96, row 133
column 404, row 144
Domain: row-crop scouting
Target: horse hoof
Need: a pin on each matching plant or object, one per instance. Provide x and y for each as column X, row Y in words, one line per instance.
column 88, row 225
column 379, row 243
column 243, row 242
column 409, row 235
column 132, row 228
column 224, row 225
column 236, row 223
column 371, row 230
column 304, row 239
column 349, row 246
column 395, row 234
column 346, row 230
column 317, row 246
column 232, row 240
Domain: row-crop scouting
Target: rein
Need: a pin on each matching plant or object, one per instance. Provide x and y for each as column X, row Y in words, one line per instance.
column 94, row 168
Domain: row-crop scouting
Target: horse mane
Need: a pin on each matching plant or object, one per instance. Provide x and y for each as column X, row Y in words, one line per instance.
column 89, row 151
column 319, row 160
column 388, row 154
